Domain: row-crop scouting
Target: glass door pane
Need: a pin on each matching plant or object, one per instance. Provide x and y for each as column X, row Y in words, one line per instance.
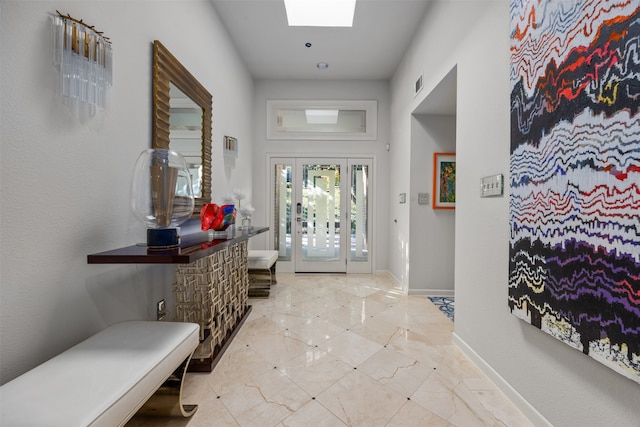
column 359, row 210
column 319, row 212
column 360, row 214
column 282, row 215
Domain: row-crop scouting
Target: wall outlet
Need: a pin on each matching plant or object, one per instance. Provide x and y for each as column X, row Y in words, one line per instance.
column 161, row 309
column 403, row 197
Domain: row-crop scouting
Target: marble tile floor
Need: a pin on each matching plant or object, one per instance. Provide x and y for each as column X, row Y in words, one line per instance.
column 343, row 350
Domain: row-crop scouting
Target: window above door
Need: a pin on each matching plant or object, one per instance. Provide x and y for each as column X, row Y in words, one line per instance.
column 322, row 120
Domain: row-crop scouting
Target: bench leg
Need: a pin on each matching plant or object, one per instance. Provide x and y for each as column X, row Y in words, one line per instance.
column 273, row 274
column 167, row 400
column 259, row 283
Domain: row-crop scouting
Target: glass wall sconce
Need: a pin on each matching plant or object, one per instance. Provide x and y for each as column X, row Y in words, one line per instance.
column 84, row 57
column 230, row 150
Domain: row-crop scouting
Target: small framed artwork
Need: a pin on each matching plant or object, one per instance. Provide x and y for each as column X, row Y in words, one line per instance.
column 444, row 180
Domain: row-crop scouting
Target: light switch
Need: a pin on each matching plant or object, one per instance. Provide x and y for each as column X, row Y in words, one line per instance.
column 403, row 197
column 492, row 186
column 423, row 198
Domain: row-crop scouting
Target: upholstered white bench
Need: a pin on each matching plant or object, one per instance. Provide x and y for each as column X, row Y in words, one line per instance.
column 106, row 379
column 262, row 271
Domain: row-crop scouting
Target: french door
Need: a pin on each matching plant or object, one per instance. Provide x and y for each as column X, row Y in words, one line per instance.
column 321, row 214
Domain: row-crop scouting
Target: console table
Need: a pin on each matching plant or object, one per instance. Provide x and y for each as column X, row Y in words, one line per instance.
column 211, row 286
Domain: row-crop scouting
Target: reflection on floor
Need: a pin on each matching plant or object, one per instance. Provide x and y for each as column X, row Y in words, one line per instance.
column 343, row 350
column 445, row 304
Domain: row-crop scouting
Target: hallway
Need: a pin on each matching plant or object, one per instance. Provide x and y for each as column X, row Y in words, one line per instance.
column 343, row 350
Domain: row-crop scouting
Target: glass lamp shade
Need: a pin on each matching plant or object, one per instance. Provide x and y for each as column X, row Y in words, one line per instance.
column 161, row 191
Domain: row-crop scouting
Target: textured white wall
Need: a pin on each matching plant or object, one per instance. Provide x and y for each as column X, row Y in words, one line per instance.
column 65, row 182
column 431, row 55
column 432, row 254
column 563, row 385
column 331, row 90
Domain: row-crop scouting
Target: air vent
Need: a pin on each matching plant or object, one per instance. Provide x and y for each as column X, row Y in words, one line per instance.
column 418, row 86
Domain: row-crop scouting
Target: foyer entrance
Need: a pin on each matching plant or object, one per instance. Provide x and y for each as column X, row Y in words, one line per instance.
column 321, row 214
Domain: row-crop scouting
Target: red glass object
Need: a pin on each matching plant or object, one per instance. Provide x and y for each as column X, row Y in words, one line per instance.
column 217, row 218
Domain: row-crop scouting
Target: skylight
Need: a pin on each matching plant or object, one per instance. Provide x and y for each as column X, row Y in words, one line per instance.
column 320, row 13
column 321, row 116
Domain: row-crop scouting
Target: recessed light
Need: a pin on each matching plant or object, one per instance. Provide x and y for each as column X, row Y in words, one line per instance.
column 322, row 65
column 307, row 44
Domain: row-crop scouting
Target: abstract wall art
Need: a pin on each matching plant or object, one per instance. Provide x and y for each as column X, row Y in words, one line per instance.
column 574, row 206
column 444, row 180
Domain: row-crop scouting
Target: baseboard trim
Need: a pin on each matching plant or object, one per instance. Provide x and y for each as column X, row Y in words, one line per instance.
column 394, row 278
column 386, row 273
column 521, row 403
column 432, row 292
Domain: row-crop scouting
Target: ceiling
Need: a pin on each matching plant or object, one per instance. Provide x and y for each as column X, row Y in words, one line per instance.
column 371, row 49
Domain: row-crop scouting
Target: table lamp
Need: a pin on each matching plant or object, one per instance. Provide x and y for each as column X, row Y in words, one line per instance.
column 161, row 196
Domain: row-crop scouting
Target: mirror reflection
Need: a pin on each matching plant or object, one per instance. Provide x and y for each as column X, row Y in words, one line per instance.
column 185, row 133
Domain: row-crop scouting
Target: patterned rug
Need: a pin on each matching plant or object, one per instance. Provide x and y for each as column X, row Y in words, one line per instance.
column 445, row 304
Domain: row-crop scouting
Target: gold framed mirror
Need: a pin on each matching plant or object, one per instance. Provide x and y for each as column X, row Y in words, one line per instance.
column 182, row 112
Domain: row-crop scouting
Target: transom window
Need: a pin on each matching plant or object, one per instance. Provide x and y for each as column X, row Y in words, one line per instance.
column 322, row 120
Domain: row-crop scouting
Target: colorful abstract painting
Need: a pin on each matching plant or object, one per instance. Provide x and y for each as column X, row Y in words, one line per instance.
column 574, row 208
column 444, row 180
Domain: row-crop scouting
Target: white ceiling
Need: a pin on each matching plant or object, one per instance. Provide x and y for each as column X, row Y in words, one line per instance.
column 371, row 49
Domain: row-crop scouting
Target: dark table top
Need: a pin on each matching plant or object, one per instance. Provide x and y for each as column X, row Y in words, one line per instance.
column 194, row 247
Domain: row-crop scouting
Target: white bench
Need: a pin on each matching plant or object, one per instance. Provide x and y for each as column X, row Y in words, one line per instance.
column 106, row 379
column 261, row 263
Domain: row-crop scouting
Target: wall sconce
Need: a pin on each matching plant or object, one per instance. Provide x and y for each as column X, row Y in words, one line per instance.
column 85, row 59
column 230, row 150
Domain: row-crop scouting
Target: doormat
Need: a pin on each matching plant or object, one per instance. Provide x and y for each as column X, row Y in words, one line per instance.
column 445, row 304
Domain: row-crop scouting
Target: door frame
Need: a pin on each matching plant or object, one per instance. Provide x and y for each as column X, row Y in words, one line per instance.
column 288, row 266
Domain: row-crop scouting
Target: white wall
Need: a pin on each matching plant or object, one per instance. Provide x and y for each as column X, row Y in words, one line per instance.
column 65, row 182
column 430, row 55
column 563, row 385
column 325, row 90
column 432, row 255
